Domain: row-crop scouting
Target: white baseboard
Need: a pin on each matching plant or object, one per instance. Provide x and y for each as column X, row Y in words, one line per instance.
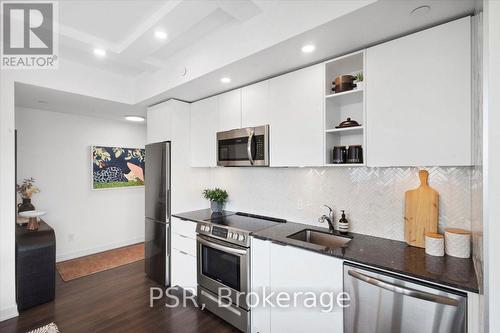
column 97, row 249
column 8, row 312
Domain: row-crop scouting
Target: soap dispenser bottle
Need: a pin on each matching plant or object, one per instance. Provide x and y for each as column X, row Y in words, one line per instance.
column 343, row 224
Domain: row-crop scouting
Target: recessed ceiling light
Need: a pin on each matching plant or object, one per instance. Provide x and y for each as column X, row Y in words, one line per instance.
column 134, row 118
column 420, row 11
column 100, row 53
column 225, row 80
column 160, row 34
column 308, row 48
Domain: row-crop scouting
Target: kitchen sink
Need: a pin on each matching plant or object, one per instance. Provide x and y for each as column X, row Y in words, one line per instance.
column 320, row 238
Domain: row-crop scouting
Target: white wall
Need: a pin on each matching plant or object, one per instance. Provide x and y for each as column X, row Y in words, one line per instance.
column 54, row 148
column 8, row 307
column 491, row 192
column 70, row 77
column 477, row 160
column 373, row 198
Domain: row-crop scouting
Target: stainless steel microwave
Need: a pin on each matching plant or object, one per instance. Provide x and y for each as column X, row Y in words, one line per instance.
column 243, row 147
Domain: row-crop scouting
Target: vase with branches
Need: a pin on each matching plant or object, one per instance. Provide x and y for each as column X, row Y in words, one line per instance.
column 26, row 191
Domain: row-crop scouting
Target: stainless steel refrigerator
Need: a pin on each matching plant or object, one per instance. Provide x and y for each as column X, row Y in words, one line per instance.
column 157, row 220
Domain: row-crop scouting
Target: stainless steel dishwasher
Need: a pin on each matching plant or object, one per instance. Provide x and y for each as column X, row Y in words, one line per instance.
column 387, row 303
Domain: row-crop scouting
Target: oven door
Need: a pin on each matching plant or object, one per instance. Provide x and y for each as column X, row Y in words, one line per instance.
column 224, row 265
column 243, row 147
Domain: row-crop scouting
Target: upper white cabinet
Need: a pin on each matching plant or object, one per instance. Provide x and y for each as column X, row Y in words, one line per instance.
column 159, row 122
column 170, row 121
column 419, row 98
column 229, row 110
column 414, row 108
column 255, row 105
column 296, row 118
column 204, row 126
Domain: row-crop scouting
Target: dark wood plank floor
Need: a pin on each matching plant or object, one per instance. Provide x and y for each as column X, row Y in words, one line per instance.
column 116, row 300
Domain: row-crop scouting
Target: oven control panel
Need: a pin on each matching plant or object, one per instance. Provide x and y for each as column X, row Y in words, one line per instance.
column 224, row 233
column 219, row 232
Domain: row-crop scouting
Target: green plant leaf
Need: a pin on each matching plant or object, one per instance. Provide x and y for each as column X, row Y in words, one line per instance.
column 216, row 194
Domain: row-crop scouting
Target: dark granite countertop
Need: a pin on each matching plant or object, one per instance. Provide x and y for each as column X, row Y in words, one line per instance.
column 390, row 255
column 199, row 215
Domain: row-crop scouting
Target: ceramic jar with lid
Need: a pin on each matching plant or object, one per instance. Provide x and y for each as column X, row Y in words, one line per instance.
column 457, row 242
column 434, row 244
column 355, row 154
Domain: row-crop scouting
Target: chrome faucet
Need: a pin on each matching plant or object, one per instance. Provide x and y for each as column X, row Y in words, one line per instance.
column 328, row 218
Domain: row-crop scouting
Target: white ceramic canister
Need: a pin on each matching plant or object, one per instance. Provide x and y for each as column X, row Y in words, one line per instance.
column 434, row 244
column 457, row 242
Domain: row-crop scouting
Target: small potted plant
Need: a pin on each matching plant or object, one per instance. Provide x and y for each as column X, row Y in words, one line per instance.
column 359, row 80
column 26, row 191
column 217, row 198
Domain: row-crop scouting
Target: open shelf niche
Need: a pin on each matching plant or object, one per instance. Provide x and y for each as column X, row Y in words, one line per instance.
column 340, row 106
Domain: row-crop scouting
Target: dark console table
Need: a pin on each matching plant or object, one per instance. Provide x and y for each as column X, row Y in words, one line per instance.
column 35, row 266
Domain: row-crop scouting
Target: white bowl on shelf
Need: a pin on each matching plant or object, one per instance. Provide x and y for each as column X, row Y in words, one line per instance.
column 32, row 213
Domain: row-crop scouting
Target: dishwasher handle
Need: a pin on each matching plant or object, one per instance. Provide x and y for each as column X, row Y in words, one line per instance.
column 404, row 291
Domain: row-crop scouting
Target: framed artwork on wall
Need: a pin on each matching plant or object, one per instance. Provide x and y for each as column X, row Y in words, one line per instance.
column 116, row 167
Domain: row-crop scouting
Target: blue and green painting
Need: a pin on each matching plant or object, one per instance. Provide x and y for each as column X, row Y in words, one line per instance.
column 117, row 167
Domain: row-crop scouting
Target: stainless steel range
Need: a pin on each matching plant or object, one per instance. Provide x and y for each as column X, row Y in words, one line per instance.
column 223, row 245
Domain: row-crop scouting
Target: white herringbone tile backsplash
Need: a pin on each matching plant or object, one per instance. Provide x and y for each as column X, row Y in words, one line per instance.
column 373, row 198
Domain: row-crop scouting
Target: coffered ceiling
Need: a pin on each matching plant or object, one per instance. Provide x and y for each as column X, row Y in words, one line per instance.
column 125, row 29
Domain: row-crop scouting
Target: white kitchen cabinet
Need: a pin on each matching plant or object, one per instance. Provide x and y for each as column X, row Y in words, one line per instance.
column 185, row 228
column 255, row 105
column 183, row 268
column 229, row 110
column 204, row 126
column 296, row 118
column 281, row 268
column 183, row 254
column 260, row 280
column 419, row 98
column 170, row 121
column 183, row 236
column 294, row 269
column 159, row 122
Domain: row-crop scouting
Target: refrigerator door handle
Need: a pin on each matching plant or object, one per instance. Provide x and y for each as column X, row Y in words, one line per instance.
column 167, row 239
column 403, row 291
column 168, row 169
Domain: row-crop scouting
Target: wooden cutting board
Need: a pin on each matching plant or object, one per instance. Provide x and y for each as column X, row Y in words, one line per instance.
column 421, row 211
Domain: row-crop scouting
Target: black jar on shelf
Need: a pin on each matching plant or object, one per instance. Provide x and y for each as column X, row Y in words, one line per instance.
column 355, row 154
column 339, row 155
